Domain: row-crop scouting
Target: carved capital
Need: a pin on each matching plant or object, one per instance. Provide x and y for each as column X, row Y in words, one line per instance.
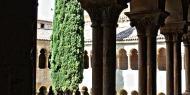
column 186, row 39
column 177, row 37
column 147, row 20
column 174, row 29
column 89, row 3
column 95, row 16
column 94, row 13
column 110, row 15
column 168, row 37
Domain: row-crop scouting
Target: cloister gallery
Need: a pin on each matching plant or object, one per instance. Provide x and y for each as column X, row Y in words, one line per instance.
column 18, row 47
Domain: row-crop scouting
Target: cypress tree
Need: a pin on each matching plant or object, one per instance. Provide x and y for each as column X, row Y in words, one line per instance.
column 67, row 45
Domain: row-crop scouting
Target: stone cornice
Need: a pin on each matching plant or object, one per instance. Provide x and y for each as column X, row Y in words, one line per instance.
column 103, row 3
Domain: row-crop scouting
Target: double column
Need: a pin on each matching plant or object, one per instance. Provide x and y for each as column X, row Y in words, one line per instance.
column 110, row 16
column 173, row 34
column 169, row 64
column 177, row 63
column 97, row 50
column 186, row 40
column 104, row 23
column 147, row 25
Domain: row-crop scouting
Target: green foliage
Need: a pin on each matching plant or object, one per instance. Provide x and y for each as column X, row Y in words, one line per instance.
column 67, row 44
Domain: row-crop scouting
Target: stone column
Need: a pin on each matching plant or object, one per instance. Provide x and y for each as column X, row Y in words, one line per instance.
column 169, row 62
column 177, row 63
column 147, row 24
column 186, row 40
column 151, row 59
column 142, row 62
column 110, row 16
column 173, row 34
column 177, row 36
column 97, row 51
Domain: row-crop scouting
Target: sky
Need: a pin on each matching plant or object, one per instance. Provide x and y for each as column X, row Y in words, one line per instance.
column 45, row 10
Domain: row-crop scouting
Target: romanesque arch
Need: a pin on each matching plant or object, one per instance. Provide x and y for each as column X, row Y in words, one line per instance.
column 42, row 90
column 42, row 59
column 86, row 60
column 161, row 59
column 134, row 59
column 122, row 59
column 49, row 59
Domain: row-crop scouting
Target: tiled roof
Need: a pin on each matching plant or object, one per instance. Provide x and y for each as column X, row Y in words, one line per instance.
column 129, row 34
column 124, row 34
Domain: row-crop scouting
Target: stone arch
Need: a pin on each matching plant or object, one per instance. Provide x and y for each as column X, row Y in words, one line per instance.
column 161, row 93
column 161, row 59
column 42, row 59
column 42, row 90
column 123, row 92
column 134, row 92
column 123, row 59
column 86, row 60
column 134, row 59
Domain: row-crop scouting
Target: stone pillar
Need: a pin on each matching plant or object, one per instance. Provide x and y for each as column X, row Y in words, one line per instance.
column 169, row 62
column 110, row 16
column 151, row 59
column 147, row 24
column 142, row 62
column 177, row 63
column 186, row 40
column 173, row 34
column 97, row 51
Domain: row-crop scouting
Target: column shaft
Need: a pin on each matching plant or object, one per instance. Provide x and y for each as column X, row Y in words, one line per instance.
column 177, row 64
column 147, row 24
column 97, row 51
column 142, row 64
column 186, row 40
column 110, row 16
column 109, row 55
column 151, row 63
column 169, row 65
column 187, row 68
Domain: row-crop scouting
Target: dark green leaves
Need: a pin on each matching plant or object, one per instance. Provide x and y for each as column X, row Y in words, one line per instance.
column 67, row 45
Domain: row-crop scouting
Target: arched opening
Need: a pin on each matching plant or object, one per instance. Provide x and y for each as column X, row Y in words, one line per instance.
column 161, row 59
column 49, row 59
column 134, row 59
column 123, row 59
column 86, row 60
column 42, row 90
column 42, row 59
